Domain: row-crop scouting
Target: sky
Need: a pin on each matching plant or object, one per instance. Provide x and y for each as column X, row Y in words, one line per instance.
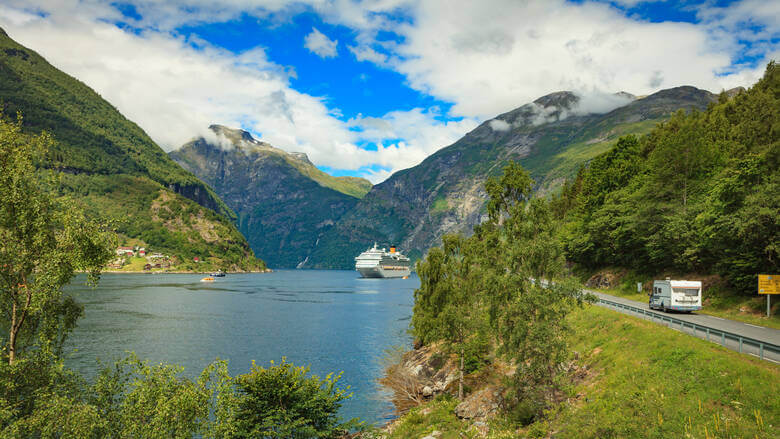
column 366, row 88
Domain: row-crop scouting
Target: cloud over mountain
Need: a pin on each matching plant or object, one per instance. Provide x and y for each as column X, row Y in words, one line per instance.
column 475, row 60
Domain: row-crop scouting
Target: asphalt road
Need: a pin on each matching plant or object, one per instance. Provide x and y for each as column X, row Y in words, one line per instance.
column 759, row 333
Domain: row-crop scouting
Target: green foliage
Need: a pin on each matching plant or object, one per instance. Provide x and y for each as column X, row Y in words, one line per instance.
column 44, row 242
column 133, row 399
column 284, row 401
column 438, row 415
column 698, row 193
column 509, row 276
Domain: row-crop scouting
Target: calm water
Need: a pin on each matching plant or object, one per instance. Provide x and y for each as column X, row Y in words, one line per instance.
column 330, row 320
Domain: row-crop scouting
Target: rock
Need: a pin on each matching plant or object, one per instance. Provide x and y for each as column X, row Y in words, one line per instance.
column 480, row 405
column 602, row 280
column 434, row 434
column 427, row 391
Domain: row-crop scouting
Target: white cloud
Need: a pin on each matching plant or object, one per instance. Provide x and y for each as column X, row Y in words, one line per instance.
column 366, row 53
column 483, row 57
column 174, row 91
column 499, row 125
column 320, row 44
column 487, row 62
column 596, row 102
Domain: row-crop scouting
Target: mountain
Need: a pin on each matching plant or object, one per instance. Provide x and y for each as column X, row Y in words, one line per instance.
column 284, row 203
column 551, row 137
column 114, row 168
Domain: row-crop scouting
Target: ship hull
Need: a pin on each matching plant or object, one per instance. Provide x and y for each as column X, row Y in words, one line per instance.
column 380, row 273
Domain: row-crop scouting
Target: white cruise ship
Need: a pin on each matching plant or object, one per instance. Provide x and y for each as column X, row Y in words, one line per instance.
column 378, row 262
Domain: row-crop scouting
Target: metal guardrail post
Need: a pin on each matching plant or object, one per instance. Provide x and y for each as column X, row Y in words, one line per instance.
column 723, row 338
column 761, row 351
column 708, row 334
column 740, row 345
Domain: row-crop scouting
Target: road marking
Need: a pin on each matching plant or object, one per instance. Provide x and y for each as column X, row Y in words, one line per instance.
column 719, row 318
column 755, row 326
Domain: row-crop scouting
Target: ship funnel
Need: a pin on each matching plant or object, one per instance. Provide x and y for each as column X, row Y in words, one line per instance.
column 392, row 249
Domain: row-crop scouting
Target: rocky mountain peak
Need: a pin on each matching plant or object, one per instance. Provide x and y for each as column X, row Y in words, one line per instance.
column 559, row 99
column 734, row 91
column 239, row 138
column 302, row 157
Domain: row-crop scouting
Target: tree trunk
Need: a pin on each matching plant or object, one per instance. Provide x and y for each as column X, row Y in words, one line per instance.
column 16, row 323
column 12, row 336
column 460, row 380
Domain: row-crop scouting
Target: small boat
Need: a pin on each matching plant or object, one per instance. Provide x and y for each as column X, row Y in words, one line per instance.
column 219, row 273
column 207, row 279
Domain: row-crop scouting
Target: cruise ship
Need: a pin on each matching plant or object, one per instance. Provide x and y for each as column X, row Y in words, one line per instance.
column 378, row 262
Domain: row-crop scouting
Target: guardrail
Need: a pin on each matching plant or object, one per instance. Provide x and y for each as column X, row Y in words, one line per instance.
column 706, row 330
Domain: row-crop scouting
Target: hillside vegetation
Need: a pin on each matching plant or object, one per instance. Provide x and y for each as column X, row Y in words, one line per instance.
column 114, row 168
column 699, row 193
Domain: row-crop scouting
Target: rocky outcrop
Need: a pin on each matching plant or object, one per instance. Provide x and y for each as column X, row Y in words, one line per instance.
column 418, row 376
column 482, row 404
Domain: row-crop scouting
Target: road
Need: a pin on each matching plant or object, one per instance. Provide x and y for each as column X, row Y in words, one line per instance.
column 759, row 333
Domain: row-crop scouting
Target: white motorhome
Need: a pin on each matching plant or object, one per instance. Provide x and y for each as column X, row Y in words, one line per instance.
column 677, row 295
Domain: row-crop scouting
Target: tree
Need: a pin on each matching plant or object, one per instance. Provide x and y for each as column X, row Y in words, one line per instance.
column 527, row 285
column 44, row 240
column 447, row 303
column 283, row 401
column 511, row 275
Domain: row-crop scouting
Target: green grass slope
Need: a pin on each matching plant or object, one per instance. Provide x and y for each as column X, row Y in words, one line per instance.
column 107, row 160
column 353, row 186
column 644, row 381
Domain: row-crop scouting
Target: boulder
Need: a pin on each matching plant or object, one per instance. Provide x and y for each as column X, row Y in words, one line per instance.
column 480, row 405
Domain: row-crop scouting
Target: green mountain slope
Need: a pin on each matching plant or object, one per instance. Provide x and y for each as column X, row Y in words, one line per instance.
column 284, row 203
column 445, row 193
column 114, row 167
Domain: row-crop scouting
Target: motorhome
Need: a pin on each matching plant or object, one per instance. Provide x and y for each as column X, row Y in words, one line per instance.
column 676, row 295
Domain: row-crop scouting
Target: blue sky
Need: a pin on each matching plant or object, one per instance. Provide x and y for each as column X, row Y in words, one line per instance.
column 365, row 87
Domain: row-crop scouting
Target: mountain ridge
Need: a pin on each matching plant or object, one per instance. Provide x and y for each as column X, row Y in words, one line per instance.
column 445, row 193
column 284, row 203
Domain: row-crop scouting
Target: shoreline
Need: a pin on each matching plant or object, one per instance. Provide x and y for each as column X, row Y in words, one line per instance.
column 267, row 270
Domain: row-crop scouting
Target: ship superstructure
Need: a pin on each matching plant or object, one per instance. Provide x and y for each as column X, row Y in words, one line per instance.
column 378, row 262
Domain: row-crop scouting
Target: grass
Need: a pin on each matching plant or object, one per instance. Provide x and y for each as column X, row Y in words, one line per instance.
column 440, row 204
column 352, row 186
column 437, row 415
column 644, row 381
column 650, row 381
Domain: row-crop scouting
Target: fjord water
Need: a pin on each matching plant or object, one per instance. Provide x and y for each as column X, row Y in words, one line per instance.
column 330, row 320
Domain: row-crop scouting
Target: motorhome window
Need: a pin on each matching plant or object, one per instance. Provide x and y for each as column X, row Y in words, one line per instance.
column 687, row 291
